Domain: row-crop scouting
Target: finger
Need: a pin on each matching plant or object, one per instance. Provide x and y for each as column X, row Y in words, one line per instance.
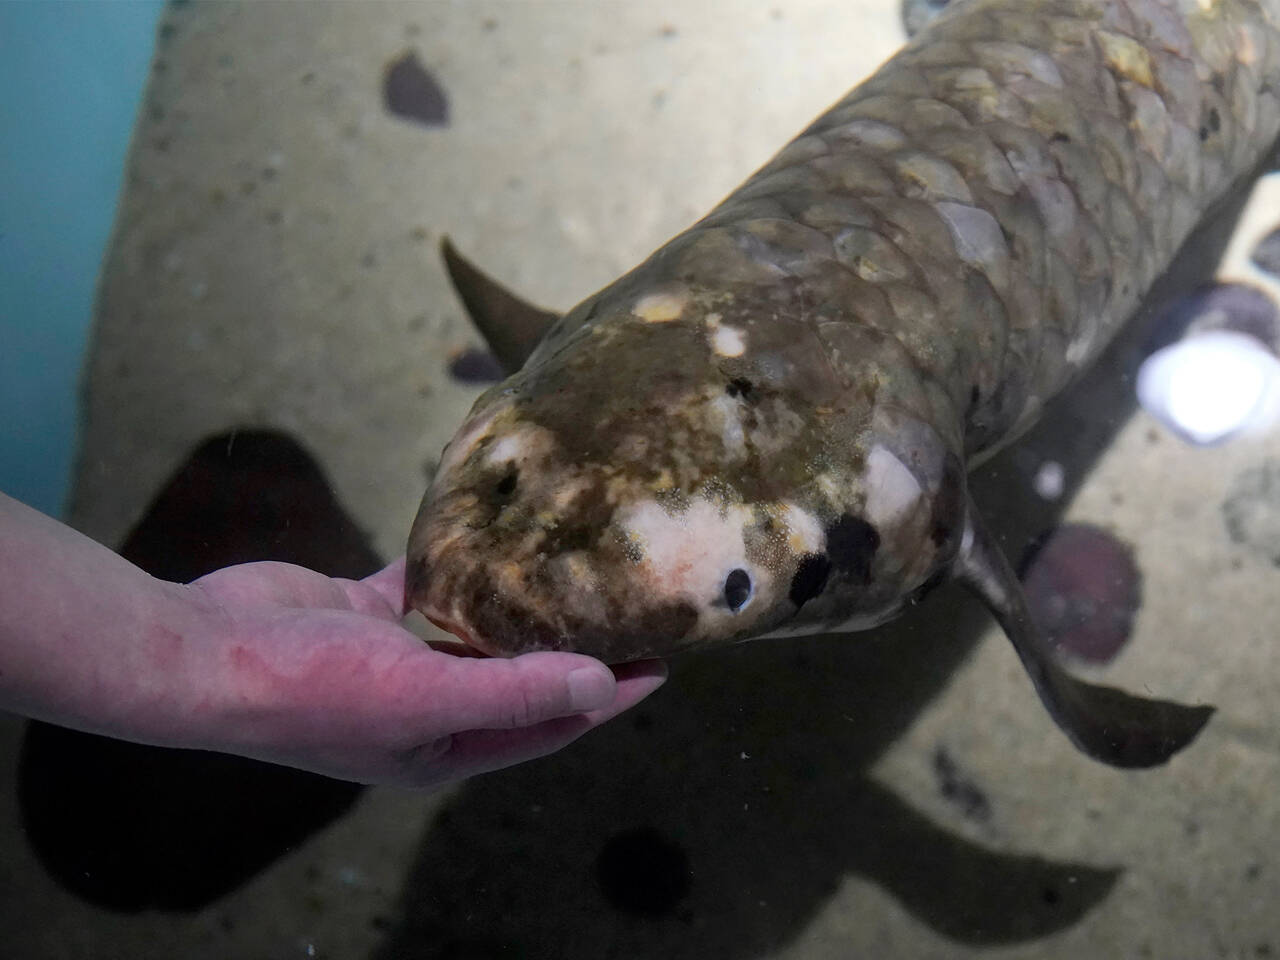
column 378, row 595
column 388, row 583
column 498, row 694
column 481, row 751
column 274, row 583
column 641, row 675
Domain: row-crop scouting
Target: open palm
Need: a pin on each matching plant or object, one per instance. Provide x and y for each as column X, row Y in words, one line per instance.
column 316, row 672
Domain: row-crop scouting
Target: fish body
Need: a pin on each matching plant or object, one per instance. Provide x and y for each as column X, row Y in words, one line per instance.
column 765, row 428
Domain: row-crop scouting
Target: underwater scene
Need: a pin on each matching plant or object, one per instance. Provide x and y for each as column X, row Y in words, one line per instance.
column 640, row 336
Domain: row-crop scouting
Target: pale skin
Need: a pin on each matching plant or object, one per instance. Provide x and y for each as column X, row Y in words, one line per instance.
column 276, row 662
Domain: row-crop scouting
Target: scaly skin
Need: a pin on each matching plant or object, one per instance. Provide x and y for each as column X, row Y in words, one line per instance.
column 765, row 427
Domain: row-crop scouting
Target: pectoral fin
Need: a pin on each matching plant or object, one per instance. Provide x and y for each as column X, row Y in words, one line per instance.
column 1107, row 724
column 510, row 326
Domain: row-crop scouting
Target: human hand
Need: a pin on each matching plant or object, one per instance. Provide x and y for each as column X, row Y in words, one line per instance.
column 317, row 673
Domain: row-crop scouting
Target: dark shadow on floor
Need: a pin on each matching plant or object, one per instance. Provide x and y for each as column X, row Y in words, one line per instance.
column 129, row 827
column 717, row 819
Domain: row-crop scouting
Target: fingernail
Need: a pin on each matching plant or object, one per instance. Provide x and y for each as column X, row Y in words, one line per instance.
column 590, row 689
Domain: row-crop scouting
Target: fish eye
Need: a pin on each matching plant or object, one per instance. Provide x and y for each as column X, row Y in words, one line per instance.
column 737, row 589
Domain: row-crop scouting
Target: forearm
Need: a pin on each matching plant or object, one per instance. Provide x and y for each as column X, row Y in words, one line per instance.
column 87, row 639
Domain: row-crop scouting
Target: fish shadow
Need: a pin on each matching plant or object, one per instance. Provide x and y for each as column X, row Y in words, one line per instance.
column 130, row 827
column 718, row 818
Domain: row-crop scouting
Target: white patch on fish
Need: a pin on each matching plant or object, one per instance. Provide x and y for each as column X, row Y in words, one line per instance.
column 892, row 489
column 514, row 446
column 1078, row 350
column 661, row 306
column 731, row 430
column 728, row 341
column 804, row 532
column 468, row 437
column 687, row 555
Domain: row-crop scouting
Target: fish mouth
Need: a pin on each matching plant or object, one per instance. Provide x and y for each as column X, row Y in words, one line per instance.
column 424, row 594
column 470, row 646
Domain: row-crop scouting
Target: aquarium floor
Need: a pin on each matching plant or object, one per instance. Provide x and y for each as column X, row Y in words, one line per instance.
column 274, row 273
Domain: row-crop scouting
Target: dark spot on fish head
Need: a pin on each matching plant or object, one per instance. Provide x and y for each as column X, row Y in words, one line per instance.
column 810, row 578
column 1211, row 123
column 852, row 545
column 946, row 517
column 742, row 388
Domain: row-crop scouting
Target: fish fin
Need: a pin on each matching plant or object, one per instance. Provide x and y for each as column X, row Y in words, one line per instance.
column 510, row 326
column 1109, row 725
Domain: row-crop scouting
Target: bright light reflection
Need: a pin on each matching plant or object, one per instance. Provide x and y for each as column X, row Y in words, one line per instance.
column 1210, row 386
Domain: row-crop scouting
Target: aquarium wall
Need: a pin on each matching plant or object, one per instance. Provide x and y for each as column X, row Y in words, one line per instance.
column 71, row 75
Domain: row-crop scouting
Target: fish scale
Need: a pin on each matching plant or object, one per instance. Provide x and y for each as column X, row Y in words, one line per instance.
column 1091, row 173
column 764, row 429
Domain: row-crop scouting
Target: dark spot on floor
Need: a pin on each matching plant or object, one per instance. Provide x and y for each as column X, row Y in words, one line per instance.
column 958, row 789
column 643, row 873
column 1221, row 306
column 1266, row 255
column 474, row 365
column 852, row 545
column 130, row 827
column 810, row 578
column 1251, row 510
column 410, row 92
column 1084, row 589
column 917, row 14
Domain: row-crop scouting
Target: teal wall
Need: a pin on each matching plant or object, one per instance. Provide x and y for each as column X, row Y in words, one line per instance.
column 71, row 75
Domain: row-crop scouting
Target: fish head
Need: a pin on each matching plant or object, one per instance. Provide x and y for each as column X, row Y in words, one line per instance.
column 678, row 475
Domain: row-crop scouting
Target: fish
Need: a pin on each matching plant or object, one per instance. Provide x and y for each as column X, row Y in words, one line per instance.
column 764, row 430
